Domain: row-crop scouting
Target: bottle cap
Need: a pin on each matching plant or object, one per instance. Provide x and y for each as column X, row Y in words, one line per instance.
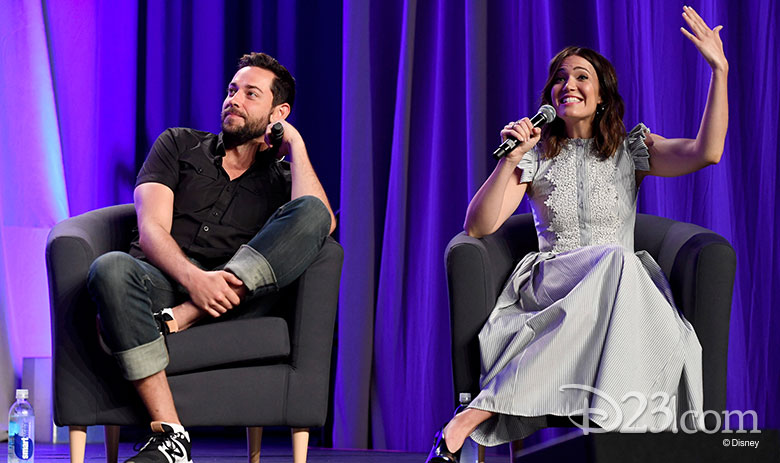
column 22, row 394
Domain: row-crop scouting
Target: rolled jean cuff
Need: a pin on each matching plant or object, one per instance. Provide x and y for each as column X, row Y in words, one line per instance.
column 252, row 268
column 144, row 360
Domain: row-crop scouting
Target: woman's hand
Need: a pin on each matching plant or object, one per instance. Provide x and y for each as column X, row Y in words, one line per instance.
column 525, row 133
column 679, row 156
column 706, row 40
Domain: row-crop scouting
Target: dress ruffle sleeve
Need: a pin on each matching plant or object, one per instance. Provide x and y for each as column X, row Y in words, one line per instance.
column 528, row 165
column 637, row 147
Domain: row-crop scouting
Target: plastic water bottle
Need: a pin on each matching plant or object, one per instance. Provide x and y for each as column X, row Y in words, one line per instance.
column 21, row 429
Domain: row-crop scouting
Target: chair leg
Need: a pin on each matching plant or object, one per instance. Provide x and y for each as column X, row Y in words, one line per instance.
column 77, row 440
column 481, row 454
column 300, row 441
column 514, row 449
column 254, row 438
column 112, row 443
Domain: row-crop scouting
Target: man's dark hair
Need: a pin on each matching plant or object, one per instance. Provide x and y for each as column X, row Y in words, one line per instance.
column 283, row 85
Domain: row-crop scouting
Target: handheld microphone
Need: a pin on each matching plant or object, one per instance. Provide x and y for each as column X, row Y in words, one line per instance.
column 277, row 134
column 545, row 115
column 275, row 137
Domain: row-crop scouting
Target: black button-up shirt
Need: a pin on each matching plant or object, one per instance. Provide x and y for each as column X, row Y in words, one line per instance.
column 212, row 215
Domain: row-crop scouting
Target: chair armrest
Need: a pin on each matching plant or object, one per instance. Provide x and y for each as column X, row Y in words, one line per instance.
column 701, row 266
column 74, row 243
column 72, row 246
column 476, row 271
column 96, row 232
column 311, row 338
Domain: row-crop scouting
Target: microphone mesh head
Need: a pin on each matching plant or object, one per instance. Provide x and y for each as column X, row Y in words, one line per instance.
column 277, row 133
column 548, row 112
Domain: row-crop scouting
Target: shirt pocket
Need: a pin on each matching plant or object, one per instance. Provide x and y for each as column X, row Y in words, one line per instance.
column 249, row 210
column 198, row 185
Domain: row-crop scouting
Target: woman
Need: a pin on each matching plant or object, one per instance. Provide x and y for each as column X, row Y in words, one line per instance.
column 586, row 322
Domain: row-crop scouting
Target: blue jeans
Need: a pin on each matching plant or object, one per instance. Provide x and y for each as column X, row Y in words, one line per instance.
column 128, row 291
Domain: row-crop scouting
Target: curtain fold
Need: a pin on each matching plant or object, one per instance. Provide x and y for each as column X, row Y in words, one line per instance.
column 388, row 379
column 32, row 191
column 357, row 229
column 400, row 104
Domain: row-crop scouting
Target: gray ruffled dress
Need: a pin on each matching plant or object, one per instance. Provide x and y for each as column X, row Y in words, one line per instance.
column 586, row 322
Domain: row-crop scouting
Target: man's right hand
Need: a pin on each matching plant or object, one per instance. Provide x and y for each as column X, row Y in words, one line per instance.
column 213, row 291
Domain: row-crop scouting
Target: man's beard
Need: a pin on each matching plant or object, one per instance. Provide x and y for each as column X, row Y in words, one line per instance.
column 236, row 136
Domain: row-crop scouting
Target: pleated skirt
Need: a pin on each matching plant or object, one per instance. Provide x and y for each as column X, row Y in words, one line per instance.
column 594, row 329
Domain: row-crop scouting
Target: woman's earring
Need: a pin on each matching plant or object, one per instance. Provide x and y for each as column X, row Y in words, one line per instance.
column 600, row 109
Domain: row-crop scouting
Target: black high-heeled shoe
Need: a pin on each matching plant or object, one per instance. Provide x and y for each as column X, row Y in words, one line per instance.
column 440, row 453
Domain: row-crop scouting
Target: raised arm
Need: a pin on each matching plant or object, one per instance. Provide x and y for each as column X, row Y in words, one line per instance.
column 671, row 157
column 502, row 192
column 304, row 179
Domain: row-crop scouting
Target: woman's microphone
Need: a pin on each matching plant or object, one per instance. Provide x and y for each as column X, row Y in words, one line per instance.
column 545, row 115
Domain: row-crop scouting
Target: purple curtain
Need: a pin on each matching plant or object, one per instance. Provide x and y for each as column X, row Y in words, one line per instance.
column 400, row 104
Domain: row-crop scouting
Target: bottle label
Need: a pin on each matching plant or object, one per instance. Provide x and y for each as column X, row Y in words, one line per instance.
column 23, row 447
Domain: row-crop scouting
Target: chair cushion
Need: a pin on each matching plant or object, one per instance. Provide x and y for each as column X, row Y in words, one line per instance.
column 250, row 340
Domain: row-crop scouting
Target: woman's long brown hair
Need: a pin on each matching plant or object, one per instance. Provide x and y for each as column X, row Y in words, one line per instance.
column 608, row 129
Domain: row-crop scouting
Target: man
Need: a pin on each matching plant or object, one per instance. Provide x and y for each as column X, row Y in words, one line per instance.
column 220, row 220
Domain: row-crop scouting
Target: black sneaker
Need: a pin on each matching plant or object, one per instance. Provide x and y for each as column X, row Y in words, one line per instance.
column 170, row 443
column 165, row 322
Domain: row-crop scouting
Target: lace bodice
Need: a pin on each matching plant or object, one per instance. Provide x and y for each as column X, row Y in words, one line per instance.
column 580, row 200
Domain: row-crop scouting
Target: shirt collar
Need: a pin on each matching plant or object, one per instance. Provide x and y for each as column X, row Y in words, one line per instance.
column 220, row 152
column 262, row 159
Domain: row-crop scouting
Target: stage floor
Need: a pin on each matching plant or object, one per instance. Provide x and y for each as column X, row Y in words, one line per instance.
column 575, row 447
column 232, row 451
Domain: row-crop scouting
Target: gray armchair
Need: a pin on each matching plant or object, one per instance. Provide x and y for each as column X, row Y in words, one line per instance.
column 271, row 370
column 699, row 264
